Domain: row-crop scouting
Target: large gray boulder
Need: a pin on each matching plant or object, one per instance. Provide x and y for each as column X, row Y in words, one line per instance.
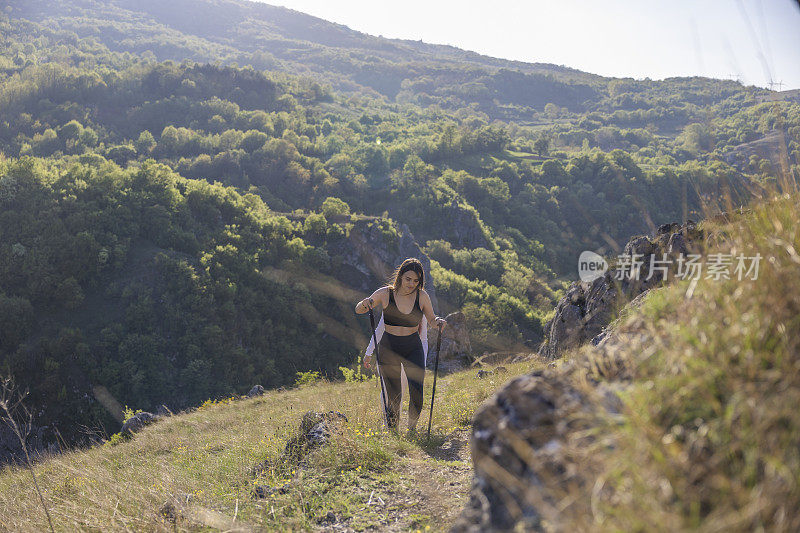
column 257, row 390
column 532, row 441
column 516, row 439
column 588, row 307
column 456, row 350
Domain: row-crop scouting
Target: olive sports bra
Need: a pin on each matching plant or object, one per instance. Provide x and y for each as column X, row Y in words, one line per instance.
column 393, row 317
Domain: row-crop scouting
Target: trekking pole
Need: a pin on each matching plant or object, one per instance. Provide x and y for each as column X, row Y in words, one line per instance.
column 435, row 371
column 375, row 343
column 384, row 399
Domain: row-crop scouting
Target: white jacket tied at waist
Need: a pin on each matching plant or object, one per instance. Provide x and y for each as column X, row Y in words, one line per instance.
column 379, row 329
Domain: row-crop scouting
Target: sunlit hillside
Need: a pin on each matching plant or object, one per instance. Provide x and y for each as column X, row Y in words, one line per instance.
column 192, row 200
column 194, row 471
column 705, row 435
column 684, row 418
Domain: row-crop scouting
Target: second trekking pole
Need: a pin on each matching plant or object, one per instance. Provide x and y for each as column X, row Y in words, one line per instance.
column 435, row 371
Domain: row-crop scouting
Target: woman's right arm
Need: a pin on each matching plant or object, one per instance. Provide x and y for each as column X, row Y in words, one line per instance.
column 370, row 302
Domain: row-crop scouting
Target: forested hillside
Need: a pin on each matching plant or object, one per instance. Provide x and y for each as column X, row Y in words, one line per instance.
column 160, row 160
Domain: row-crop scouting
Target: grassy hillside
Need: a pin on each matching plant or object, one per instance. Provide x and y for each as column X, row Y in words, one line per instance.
column 707, row 433
column 712, row 415
column 153, row 166
column 367, row 478
column 706, row 438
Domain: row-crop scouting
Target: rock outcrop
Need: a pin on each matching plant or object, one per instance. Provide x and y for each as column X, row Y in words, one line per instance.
column 137, row 422
column 587, row 308
column 515, row 439
column 315, row 430
column 257, row 390
column 532, row 441
column 456, row 351
column 464, row 228
column 370, row 255
column 36, row 441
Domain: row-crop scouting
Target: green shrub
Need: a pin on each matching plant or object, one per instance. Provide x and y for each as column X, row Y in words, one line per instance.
column 116, row 438
column 352, row 376
column 333, row 206
column 129, row 413
column 307, row 378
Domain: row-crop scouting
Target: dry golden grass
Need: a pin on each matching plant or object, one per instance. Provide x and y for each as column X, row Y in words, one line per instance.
column 709, row 435
column 208, row 454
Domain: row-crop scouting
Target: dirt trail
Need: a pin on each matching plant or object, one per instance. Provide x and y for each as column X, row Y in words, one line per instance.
column 444, row 479
column 434, row 488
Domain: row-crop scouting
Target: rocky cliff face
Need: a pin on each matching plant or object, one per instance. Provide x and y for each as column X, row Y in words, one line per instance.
column 371, row 256
column 456, row 351
column 587, row 308
column 531, row 441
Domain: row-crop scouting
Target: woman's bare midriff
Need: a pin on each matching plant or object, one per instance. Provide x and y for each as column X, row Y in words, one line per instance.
column 401, row 331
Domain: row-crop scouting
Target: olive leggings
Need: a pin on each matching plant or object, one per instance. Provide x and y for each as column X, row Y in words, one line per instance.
column 398, row 351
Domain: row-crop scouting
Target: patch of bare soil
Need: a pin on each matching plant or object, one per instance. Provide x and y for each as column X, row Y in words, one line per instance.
column 443, row 478
column 434, row 487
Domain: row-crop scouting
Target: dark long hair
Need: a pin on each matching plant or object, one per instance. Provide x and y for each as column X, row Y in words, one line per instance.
column 413, row 264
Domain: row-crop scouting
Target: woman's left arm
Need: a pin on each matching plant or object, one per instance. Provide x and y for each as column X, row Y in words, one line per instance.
column 427, row 310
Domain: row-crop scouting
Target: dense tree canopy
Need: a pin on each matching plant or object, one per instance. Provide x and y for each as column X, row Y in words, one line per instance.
column 154, row 169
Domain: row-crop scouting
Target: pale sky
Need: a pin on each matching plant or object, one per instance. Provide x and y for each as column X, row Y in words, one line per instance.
column 757, row 41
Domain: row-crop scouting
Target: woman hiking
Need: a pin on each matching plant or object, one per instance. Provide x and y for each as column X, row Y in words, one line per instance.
column 403, row 345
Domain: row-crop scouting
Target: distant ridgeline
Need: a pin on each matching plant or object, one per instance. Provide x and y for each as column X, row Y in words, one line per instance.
column 159, row 159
